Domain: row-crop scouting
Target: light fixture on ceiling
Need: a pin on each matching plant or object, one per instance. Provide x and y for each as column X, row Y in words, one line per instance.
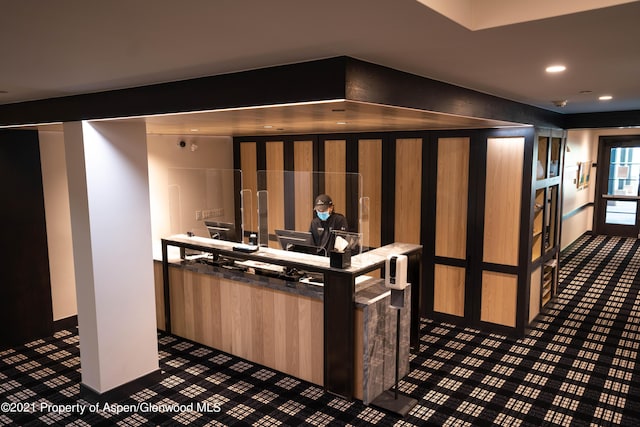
column 194, row 130
column 193, row 146
column 605, row 98
column 267, row 127
column 341, row 123
column 555, row 68
column 560, row 103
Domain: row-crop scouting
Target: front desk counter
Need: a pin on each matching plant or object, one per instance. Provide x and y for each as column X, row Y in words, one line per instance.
column 339, row 335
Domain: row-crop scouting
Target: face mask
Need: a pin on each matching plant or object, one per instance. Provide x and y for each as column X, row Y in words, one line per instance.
column 323, row 215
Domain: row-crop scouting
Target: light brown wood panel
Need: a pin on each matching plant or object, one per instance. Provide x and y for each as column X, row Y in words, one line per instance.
column 448, row 289
column 503, row 200
column 277, row 329
column 275, row 186
column 452, row 197
column 534, row 293
column 408, row 190
column 499, row 298
column 335, row 166
column 370, row 168
column 249, row 167
column 303, row 166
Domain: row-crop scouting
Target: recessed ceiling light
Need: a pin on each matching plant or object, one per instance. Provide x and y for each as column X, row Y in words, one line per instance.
column 605, row 98
column 267, row 126
column 555, row 68
column 194, row 130
column 341, row 123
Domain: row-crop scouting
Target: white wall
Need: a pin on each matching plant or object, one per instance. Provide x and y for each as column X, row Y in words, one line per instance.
column 163, row 153
column 582, row 146
column 56, row 202
column 214, row 152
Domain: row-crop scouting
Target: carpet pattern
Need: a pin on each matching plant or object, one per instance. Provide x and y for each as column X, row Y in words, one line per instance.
column 577, row 367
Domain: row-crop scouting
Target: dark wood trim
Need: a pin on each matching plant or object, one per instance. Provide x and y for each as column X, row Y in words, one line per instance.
column 453, row 262
column 607, row 119
column 388, row 213
column 289, row 184
column 526, row 226
column 430, row 188
column 26, row 311
column 475, row 225
column 70, row 322
column 501, row 268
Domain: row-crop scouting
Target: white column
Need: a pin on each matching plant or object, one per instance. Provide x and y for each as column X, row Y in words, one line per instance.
column 111, row 232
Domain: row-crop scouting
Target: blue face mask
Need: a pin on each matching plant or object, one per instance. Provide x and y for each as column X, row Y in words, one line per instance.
column 323, row 215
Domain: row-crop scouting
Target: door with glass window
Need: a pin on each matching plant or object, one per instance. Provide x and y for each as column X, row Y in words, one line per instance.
column 617, row 191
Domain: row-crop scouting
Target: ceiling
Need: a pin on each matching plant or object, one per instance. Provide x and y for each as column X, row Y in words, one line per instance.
column 53, row 49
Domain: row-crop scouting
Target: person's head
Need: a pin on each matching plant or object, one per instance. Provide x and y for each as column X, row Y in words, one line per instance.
column 323, row 206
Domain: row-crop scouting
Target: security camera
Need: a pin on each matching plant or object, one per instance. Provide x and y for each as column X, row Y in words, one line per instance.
column 182, row 144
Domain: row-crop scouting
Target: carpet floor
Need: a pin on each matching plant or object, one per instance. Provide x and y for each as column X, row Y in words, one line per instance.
column 576, row 367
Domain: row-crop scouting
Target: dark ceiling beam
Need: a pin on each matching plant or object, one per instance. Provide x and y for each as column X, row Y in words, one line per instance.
column 304, row 82
column 374, row 83
column 320, row 80
column 609, row 119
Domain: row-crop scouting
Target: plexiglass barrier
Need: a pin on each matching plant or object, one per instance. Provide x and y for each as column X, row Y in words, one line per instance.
column 286, row 215
column 208, row 203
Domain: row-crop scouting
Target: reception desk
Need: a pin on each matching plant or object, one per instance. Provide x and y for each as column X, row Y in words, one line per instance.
column 253, row 305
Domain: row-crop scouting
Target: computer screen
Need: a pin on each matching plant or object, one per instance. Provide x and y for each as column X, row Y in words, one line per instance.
column 298, row 241
column 221, row 230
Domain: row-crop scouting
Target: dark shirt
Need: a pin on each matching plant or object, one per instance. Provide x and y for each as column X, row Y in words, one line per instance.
column 322, row 230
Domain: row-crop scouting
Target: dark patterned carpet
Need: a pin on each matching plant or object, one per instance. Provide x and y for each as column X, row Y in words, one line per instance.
column 577, row 367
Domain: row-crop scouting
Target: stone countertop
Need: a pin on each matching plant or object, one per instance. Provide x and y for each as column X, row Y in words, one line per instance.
column 360, row 264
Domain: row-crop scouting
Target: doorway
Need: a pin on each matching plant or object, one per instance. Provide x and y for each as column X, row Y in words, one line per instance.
column 617, row 191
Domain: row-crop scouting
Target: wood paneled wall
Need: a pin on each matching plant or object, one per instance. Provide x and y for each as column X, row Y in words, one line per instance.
column 408, row 190
column 505, row 157
column 370, row 167
column 449, row 289
column 280, row 330
column 275, row 185
column 303, row 166
column 499, row 298
column 452, row 192
column 472, row 259
column 335, row 167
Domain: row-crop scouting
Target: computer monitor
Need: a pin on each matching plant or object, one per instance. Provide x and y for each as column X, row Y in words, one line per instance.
column 221, row 230
column 298, row 241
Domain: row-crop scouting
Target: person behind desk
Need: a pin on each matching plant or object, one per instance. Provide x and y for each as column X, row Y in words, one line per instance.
column 324, row 221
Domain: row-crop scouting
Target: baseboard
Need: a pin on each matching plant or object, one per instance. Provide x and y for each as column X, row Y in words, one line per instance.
column 70, row 322
column 123, row 391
